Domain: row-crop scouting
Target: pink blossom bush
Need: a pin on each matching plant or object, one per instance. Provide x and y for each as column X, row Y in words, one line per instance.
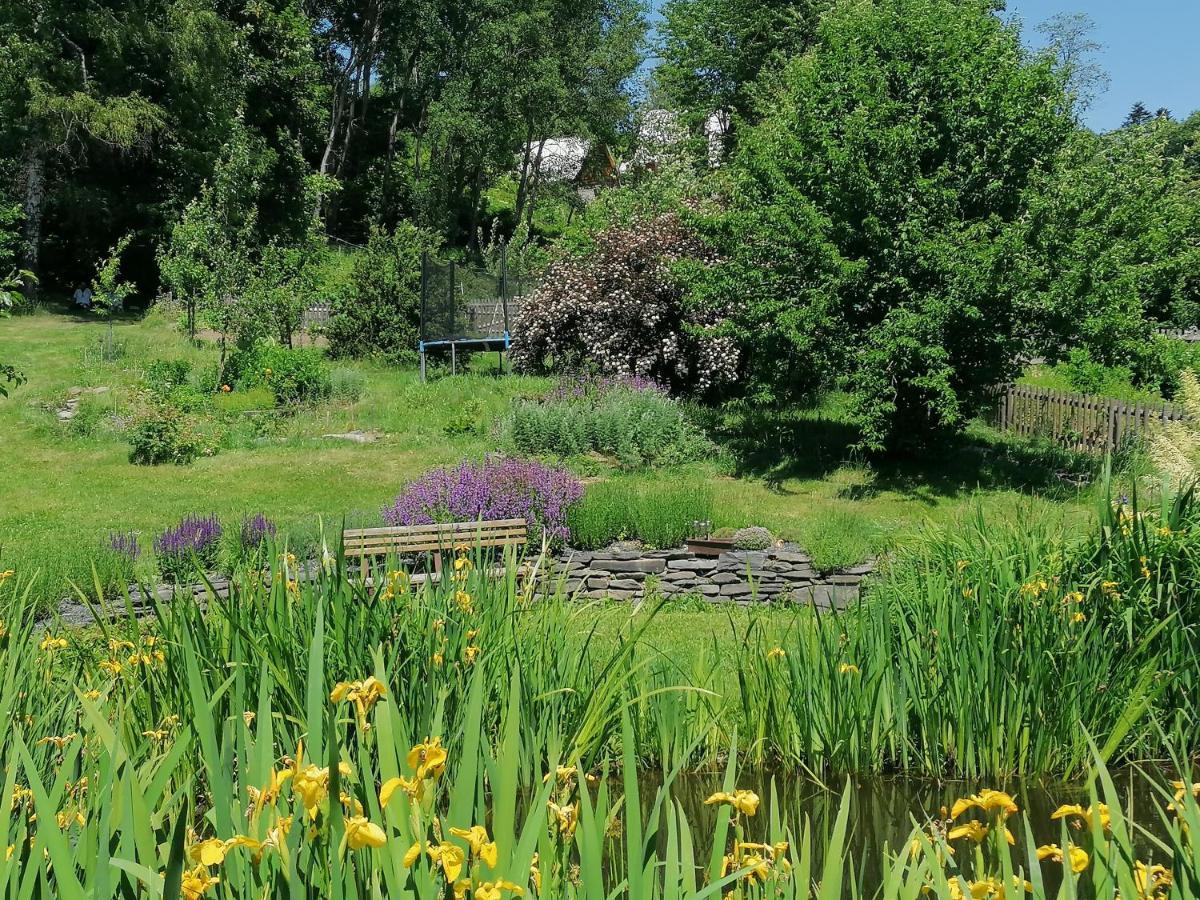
column 620, row 310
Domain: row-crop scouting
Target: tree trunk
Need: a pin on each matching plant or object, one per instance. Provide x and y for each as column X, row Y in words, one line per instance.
column 523, row 183
column 33, row 207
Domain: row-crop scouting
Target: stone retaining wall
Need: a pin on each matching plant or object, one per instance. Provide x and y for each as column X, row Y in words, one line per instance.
column 782, row 574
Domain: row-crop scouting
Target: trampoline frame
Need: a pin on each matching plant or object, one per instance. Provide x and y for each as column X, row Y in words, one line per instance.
column 498, row 342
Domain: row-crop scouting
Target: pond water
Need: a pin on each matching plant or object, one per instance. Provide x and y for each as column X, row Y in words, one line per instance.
column 883, row 810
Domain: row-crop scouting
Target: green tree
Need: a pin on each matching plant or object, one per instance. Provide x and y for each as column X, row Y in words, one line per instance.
column 869, row 226
column 379, row 312
column 1113, row 243
column 714, row 51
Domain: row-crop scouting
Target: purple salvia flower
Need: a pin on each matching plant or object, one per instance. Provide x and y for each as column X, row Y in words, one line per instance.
column 256, row 530
column 496, row 488
column 125, row 543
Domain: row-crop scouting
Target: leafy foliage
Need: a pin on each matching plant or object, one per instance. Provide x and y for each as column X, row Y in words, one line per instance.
column 621, row 310
column 871, row 220
column 379, row 311
column 659, row 514
column 639, row 427
column 163, row 434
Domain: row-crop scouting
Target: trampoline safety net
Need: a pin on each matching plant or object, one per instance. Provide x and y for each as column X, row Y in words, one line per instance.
column 467, row 304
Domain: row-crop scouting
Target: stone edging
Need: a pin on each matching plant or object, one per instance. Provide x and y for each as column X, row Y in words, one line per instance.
column 779, row 574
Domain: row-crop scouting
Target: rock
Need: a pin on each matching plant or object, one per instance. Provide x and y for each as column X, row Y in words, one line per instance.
column 756, row 559
column 740, row 589
column 580, row 557
column 624, row 584
column 725, row 578
column 620, row 595
column 844, row 579
column 597, row 582
column 863, row 568
column 708, row 590
column 356, row 437
column 692, row 565
column 643, row 565
column 792, row 557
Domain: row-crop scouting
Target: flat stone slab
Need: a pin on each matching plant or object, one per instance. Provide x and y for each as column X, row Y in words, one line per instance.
column 355, row 437
column 693, row 565
column 644, row 566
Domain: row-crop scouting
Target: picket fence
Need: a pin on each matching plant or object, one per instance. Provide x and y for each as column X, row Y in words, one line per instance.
column 1077, row 422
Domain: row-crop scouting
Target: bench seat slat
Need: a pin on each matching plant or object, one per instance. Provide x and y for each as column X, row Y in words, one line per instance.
column 405, row 539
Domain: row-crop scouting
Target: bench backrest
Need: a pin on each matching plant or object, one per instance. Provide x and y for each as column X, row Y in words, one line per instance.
column 403, row 539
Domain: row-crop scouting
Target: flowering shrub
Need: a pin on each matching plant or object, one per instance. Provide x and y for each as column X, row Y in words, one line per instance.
column 256, row 530
column 193, row 543
column 496, row 488
column 621, row 309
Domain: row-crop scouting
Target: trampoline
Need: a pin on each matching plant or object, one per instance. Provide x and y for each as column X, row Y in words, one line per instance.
column 467, row 309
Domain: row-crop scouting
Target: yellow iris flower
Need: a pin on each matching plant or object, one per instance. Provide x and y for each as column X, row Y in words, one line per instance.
column 567, row 816
column 742, row 801
column 361, row 832
column 481, row 845
column 428, row 759
column 1077, row 856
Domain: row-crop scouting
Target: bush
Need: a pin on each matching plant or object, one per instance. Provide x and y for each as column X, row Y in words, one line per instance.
column 163, row 435
column 164, row 375
column 378, row 313
column 658, row 514
column 752, row 538
column 620, row 309
column 496, row 488
column 293, row 375
column 191, row 547
column 639, row 425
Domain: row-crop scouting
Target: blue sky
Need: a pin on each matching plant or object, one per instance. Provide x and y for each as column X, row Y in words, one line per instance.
column 1151, row 51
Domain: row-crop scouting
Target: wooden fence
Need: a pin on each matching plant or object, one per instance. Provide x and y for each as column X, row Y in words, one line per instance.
column 1077, row 422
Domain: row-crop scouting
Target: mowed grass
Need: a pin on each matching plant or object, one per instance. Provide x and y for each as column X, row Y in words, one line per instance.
column 61, row 494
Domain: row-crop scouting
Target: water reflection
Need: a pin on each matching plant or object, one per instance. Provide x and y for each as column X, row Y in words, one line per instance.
column 884, row 810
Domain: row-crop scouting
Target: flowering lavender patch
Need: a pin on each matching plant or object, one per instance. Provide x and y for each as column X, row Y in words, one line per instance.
column 195, row 536
column 256, row 530
column 497, row 488
column 595, row 387
column 125, row 544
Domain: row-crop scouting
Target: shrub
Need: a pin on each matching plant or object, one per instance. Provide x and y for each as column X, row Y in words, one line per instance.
column 164, row 375
column 637, row 425
column 163, row 435
column 658, row 514
column 465, row 419
column 620, row 309
column 296, row 376
column 293, row 375
column 754, row 537
column 190, row 546
column 496, row 488
column 378, row 313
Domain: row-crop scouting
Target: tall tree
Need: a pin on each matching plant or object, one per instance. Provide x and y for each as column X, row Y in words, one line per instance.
column 713, row 52
column 65, row 91
column 869, row 228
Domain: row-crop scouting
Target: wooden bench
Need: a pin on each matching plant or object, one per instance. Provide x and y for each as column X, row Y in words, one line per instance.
column 367, row 544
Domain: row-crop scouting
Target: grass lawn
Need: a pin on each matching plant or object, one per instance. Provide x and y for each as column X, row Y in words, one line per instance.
column 64, row 488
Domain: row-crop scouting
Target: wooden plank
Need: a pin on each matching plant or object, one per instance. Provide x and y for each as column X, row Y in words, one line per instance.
column 447, row 527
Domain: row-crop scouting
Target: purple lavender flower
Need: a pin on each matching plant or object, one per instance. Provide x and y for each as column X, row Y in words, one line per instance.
column 496, row 488
column 125, row 544
column 256, row 530
column 595, row 387
column 194, row 536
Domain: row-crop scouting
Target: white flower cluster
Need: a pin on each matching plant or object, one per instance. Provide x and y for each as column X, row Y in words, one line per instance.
column 621, row 310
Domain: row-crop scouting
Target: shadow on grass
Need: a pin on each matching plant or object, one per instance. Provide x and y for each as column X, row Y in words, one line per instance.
column 814, row 444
